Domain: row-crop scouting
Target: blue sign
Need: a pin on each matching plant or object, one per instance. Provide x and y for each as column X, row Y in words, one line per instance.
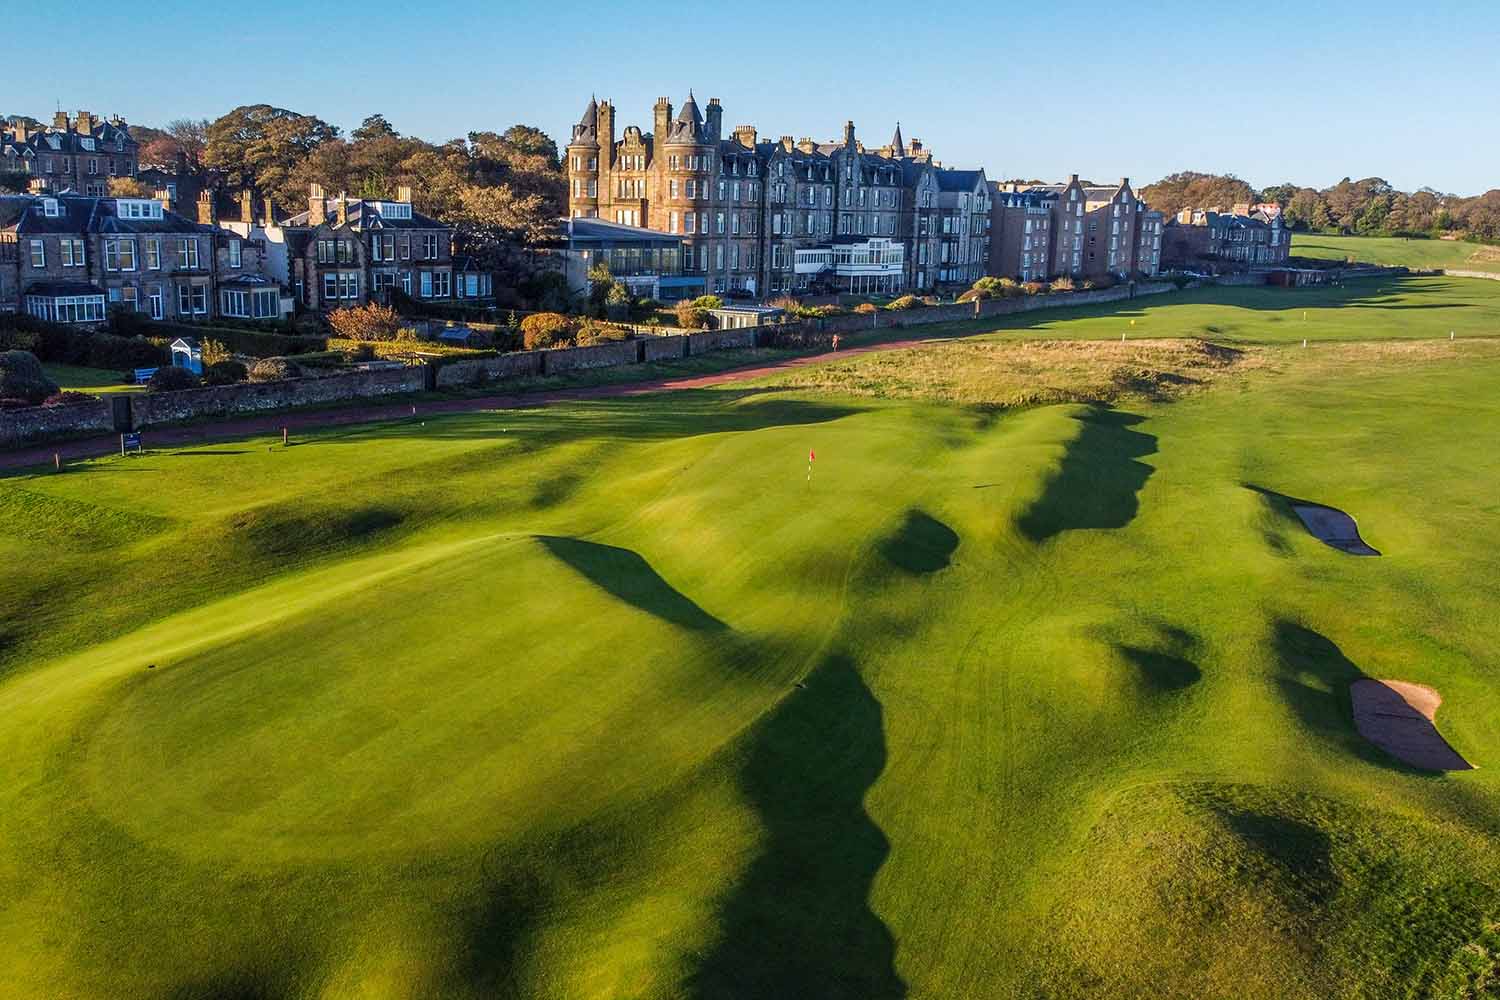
column 131, row 440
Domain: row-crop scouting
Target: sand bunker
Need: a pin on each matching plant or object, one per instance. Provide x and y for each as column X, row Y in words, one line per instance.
column 1332, row 526
column 1397, row 717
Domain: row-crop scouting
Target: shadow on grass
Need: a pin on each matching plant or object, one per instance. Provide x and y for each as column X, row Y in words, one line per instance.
column 1162, row 672
column 1314, row 681
column 1098, row 482
column 1295, row 855
column 625, row 575
column 922, row 545
column 799, row 924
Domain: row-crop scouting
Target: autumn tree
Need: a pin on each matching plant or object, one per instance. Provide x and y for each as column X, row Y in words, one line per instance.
column 263, row 146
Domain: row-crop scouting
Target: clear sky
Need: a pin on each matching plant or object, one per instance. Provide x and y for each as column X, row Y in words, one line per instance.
column 1308, row 91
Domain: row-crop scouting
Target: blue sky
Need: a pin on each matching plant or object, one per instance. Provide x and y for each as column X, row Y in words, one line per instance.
column 1308, row 91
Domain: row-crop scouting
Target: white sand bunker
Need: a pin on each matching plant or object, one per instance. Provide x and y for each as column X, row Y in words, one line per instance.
column 1397, row 717
column 1332, row 526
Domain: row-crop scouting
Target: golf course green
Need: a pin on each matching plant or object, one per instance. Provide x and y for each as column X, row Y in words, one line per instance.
column 628, row 698
column 1400, row 251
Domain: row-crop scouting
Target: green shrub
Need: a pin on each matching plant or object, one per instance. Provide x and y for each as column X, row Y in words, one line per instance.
column 225, row 373
column 106, row 350
column 544, row 330
column 708, row 302
column 904, row 303
column 866, row 308
column 21, row 377
column 591, row 333
column 171, row 378
column 274, row 370
column 691, row 316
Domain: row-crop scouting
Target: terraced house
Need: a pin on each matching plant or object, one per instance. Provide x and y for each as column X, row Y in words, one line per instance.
column 78, row 154
column 1076, row 230
column 349, row 251
column 1244, row 236
column 72, row 258
column 758, row 217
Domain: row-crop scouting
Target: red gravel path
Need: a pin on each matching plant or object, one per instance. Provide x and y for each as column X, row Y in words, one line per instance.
column 301, row 420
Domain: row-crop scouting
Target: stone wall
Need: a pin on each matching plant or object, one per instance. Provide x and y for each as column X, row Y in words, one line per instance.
column 1488, row 275
column 721, row 340
column 37, row 423
column 151, row 408
column 458, row 374
column 571, row 359
column 663, row 348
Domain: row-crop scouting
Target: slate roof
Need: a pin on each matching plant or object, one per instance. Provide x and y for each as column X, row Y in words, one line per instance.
column 958, row 180
column 56, row 289
column 107, row 136
column 363, row 215
column 80, row 215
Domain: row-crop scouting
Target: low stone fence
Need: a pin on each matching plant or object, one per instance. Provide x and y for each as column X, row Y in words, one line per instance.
column 38, row 423
column 1487, row 275
column 570, row 359
column 663, row 348
column 152, row 408
column 459, row 374
column 721, row 340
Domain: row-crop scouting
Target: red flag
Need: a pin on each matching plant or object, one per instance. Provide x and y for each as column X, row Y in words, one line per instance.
column 812, row 456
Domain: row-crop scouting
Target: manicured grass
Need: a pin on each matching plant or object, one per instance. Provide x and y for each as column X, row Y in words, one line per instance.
column 93, row 380
column 613, row 699
column 1395, row 251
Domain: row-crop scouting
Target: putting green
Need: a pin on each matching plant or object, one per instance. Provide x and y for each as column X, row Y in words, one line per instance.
column 611, row 699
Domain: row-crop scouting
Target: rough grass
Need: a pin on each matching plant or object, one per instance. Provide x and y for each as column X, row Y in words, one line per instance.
column 609, row 699
column 1009, row 374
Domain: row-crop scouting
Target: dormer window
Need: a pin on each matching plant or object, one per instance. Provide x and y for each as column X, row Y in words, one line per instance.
column 87, row 144
column 393, row 209
column 49, row 207
column 137, row 208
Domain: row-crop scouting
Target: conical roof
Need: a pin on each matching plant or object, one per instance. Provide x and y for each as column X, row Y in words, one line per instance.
column 688, row 128
column 897, row 143
column 586, row 132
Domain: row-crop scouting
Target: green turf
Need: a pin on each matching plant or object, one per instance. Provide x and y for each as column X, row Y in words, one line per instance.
column 1397, row 251
column 611, row 700
column 94, row 380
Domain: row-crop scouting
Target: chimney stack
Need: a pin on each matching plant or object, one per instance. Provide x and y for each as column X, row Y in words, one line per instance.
column 270, row 210
column 745, row 135
column 1072, row 178
column 848, row 135
column 661, row 118
column 317, row 206
column 84, row 123
column 343, row 209
column 715, row 119
column 247, row 206
column 403, row 194
column 60, row 121
column 206, row 209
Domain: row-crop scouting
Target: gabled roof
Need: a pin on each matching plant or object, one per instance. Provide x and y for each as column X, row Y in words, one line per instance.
column 78, row 215
column 363, row 215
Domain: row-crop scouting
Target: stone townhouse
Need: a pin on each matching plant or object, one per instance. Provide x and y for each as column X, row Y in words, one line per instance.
column 1021, row 233
column 1092, row 232
column 77, row 257
column 759, row 217
column 1199, row 237
column 76, row 154
column 350, row 251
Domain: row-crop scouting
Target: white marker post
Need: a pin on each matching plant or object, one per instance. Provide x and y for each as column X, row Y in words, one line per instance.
column 283, row 437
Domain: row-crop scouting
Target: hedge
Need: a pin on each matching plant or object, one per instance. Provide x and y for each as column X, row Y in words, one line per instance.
column 255, row 343
column 59, row 343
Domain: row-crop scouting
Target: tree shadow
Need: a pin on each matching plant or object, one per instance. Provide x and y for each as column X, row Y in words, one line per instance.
column 1162, row 672
column 799, row 923
column 1098, row 482
column 922, row 545
column 1300, row 851
column 1314, row 681
column 625, row 575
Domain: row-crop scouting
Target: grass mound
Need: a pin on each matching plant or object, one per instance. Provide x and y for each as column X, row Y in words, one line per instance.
column 1250, row 891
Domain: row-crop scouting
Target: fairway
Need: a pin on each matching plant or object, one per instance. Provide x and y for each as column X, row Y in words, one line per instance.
column 1400, row 252
column 626, row 698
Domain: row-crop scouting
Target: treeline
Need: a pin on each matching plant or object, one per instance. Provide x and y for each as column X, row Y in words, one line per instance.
column 1368, row 207
column 499, row 190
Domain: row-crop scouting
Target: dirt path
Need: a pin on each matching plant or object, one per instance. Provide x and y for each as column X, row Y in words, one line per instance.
column 294, row 420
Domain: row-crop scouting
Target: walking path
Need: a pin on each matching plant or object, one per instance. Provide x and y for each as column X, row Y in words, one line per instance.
column 295, row 420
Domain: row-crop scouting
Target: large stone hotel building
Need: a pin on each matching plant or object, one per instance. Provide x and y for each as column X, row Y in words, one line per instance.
column 778, row 216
